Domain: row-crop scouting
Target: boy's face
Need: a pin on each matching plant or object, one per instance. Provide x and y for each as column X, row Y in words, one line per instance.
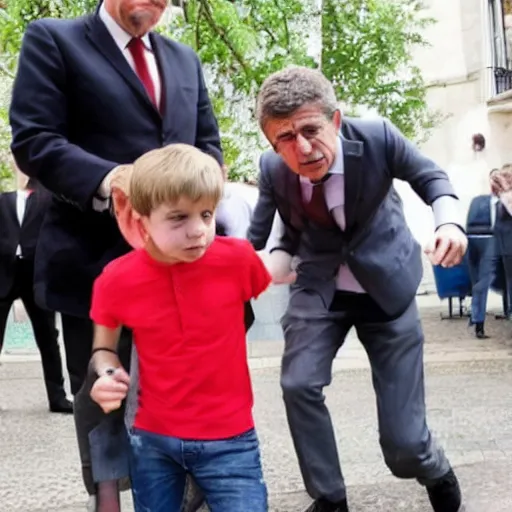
column 180, row 232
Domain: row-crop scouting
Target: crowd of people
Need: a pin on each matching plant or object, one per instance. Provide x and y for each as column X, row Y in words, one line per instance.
column 114, row 121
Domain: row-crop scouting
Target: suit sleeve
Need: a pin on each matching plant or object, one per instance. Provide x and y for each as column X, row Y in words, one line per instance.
column 406, row 163
column 207, row 133
column 264, row 211
column 38, row 117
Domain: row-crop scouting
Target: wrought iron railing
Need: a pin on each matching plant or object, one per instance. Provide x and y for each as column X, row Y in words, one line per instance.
column 503, row 79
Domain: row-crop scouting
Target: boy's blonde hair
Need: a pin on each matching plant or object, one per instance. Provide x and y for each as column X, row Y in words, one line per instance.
column 164, row 175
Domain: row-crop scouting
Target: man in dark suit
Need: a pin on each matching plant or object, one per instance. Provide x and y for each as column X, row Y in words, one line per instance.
column 21, row 216
column 90, row 94
column 358, row 266
column 501, row 182
column 483, row 255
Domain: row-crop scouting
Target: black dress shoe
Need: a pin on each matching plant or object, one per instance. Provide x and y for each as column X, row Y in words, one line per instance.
column 479, row 331
column 327, row 506
column 445, row 495
column 63, row 406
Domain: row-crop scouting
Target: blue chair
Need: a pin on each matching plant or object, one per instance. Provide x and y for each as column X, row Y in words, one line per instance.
column 453, row 283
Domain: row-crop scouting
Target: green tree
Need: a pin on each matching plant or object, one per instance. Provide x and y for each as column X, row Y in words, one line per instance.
column 240, row 43
column 366, row 52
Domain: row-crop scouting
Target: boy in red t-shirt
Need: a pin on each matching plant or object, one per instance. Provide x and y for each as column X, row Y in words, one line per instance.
column 183, row 297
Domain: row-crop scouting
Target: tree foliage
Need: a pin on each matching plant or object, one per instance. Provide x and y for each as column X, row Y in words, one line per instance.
column 367, row 54
column 365, row 50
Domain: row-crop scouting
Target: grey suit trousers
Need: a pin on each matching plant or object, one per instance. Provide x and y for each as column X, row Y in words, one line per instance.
column 313, row 334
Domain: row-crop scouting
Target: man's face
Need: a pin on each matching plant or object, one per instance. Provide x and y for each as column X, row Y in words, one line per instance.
column 495, row 183
column 137, row 17
column 306, row 141
column 180, row 232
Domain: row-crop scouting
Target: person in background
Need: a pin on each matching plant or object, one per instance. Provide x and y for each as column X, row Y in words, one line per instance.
column 21, row 216
column 90, row 94
column 482, row 253
column 501, row 183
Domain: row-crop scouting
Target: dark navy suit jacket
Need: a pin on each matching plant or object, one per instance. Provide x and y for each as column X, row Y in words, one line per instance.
column 78, row 110
column 479, row 216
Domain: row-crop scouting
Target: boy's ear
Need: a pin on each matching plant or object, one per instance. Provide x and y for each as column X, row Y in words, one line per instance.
column 128, row 220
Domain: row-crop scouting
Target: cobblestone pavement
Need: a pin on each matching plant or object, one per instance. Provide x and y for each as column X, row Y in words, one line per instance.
column 469, row 393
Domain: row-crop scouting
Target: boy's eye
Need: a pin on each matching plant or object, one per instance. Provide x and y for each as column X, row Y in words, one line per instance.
column 178, row 218
column 207, row 215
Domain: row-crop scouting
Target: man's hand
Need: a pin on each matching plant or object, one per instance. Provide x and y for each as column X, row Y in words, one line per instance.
column 448, row 247
column 110, row 390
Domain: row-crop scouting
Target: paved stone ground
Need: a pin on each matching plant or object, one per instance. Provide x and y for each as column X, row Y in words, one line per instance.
column 469, row 385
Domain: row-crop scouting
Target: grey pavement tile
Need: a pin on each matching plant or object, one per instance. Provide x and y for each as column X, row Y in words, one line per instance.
column 469, row 398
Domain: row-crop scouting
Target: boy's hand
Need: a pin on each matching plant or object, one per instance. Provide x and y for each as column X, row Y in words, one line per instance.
column 278, row 264
column 110, row 390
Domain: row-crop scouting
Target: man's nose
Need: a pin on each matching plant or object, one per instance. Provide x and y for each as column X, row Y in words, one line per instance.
column 303, row 145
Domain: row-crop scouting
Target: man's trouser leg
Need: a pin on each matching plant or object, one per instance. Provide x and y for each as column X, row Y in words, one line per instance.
column 395, row 351
column 78, row 335
column 313, row 336
column 481, row 264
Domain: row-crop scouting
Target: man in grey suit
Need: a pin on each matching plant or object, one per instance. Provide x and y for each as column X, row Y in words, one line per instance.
column 358, row 266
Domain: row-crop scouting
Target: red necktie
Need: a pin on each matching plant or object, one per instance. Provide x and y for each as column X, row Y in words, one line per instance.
column 136, row 47
column 316, row 209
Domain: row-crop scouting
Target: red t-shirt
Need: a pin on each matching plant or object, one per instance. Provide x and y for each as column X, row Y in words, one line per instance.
column 188, row 328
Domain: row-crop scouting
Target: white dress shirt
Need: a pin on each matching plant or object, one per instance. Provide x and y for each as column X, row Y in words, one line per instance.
column 235, row 210
column 446, row 211
column 494, row 202
column 21, row 203
column 122, row 39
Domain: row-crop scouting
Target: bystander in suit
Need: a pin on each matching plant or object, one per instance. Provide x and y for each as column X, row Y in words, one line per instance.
column 21, row 216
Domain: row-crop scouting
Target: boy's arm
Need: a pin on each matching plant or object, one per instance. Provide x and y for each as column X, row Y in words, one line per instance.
column 104, row 349
column 111, row 387
column 279, row 266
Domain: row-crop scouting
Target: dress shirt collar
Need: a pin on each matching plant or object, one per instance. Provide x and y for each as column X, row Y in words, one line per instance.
column 119, row 35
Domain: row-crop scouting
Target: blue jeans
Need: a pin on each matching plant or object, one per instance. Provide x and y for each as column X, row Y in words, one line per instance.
column 228, row 472
column 482, row 266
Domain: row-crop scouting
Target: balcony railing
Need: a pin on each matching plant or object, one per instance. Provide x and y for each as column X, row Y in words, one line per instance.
column 503, row 79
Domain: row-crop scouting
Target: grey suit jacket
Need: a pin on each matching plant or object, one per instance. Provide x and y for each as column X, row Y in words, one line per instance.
column 377, row 243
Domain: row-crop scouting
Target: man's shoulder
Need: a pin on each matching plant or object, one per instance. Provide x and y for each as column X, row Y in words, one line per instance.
column 481, row 197
column 271, row 163
column 179, row 49
column 362, row 128
column 59, row 25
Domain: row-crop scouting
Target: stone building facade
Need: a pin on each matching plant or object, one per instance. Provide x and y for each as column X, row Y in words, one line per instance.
column 468, row 69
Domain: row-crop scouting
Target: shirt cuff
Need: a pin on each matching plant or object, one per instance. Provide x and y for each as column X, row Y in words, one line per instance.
column 447, row 210
column 101, row 200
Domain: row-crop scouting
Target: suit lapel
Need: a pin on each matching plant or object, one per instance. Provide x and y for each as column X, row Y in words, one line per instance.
column 10, row 207
column 101, row 39
column 353, row 172
column 293, row 190
column 168, row 82
column 29, row 207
